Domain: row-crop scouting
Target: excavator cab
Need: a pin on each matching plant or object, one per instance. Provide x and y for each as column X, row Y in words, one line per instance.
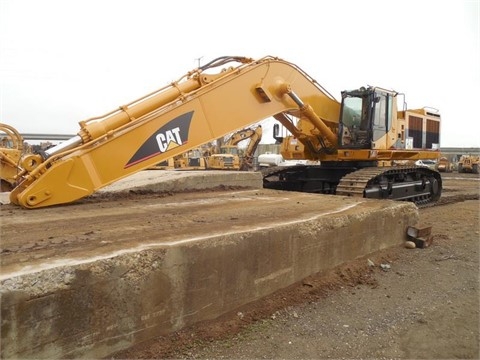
column 365, row 117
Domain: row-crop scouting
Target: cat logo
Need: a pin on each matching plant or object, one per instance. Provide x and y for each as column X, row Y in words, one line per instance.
column 169, row 136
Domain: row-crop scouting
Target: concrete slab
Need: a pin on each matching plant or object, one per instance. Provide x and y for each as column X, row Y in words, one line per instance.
column 98, row 278
column 181, row 180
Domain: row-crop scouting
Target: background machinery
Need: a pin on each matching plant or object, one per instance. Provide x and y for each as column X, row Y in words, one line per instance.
column 254, row 136
column 444, row 165
column 193, row 159
column 11, row 150
column 230, row 157
column 469, row 164
column 350, row 138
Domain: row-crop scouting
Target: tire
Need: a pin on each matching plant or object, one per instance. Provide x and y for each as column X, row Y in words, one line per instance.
column 475, row 168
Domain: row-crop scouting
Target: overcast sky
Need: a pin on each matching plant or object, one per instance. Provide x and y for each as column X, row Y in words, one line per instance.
column 63, row 61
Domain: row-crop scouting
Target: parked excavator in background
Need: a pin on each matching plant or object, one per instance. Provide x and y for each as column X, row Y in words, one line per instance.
column 350, row 138
column 11, row 150
column 469, row 164
column 254, row 136
column 230, row 156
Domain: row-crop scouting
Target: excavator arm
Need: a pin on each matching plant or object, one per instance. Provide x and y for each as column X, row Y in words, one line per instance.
column 240, row 136
column 254, row 136
column 181, row 116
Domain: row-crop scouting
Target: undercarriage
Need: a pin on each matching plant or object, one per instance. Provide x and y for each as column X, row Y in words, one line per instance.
column 408, row 183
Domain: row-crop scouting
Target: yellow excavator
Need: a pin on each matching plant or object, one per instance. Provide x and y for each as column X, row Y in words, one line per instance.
column 254, row 136
column 350, row 137
column 229, row 157
column 11, row 150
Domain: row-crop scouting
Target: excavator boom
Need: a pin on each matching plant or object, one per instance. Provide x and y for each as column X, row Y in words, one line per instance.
column 165, row 124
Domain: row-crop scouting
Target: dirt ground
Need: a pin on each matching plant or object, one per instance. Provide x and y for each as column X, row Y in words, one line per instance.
column 399, row 303
column 411, row 304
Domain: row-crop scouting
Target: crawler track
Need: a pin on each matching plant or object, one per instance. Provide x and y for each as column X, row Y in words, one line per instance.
column 417, row 184
column 408, row 183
